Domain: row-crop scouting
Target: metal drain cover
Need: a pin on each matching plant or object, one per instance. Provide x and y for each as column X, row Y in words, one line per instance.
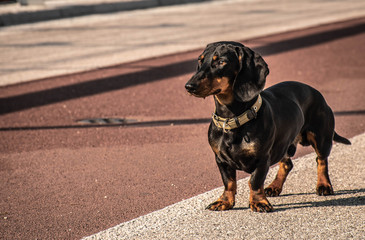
column 105, row 121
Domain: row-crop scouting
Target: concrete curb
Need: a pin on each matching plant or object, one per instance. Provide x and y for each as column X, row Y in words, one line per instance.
column 22, row 17
column 300, row 213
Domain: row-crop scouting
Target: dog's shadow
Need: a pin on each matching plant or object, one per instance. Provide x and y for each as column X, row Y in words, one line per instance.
column 341, row 202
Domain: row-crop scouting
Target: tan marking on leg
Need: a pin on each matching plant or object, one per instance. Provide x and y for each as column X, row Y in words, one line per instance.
column 275, row 188
column 312, row 140
column 324, row 186
column 258, row 200
column 227, row 200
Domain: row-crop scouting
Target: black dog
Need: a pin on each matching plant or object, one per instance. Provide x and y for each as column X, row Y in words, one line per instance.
column 253, row 129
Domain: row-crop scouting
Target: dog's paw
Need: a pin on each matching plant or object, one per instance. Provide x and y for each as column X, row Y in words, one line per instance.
column 272, row 191
column 324, row 190
column 261, row 206
column 219, row 206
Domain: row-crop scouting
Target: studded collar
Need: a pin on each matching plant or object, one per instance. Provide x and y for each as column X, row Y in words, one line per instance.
column 232, row 123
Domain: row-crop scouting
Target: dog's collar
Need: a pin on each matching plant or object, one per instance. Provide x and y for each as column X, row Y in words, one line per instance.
column 231, row 123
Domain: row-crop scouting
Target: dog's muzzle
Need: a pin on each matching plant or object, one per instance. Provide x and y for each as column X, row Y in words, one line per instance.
column 191, row 87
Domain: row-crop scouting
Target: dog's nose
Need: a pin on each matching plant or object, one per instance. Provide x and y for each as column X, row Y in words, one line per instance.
column 191, row 87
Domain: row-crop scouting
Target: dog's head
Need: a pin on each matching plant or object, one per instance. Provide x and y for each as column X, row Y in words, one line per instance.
column 229, row 70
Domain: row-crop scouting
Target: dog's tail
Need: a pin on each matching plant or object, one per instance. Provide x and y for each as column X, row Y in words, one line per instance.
column 338, row 138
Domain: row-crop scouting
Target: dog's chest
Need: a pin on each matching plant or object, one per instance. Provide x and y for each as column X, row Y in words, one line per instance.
column 236, row 150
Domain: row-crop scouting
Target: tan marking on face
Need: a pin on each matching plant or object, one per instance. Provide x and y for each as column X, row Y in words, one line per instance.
column 222, row 84
column 225, row 96
column 215, row 57
column 205, row 83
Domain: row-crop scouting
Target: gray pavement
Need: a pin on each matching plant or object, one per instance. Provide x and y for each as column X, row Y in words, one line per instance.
column 64, row 46
column 300, row 213
column 13, row 14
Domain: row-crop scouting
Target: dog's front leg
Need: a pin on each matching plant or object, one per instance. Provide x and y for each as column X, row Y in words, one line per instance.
column 258, row 200
column 227, row 200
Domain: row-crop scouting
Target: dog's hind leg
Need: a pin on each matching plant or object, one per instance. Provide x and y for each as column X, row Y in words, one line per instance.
column 285, row 166
column 275, row 188
column 322, row 148
column 324, row 186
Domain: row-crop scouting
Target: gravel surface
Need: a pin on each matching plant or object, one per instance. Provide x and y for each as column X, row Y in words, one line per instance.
column 300, row 213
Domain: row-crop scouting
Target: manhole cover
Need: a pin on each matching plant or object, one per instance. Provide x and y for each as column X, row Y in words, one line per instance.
column 107, row 121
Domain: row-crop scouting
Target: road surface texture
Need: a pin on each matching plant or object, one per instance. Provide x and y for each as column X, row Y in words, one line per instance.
column 65, row 177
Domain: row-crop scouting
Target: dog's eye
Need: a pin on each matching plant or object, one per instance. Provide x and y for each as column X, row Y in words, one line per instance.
column 222, row 63
column 199, row 64
column 218, row 63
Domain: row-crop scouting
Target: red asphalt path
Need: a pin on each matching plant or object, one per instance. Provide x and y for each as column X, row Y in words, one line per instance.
column 61, row 179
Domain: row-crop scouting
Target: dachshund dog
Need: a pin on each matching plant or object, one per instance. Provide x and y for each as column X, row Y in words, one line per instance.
column 252, row 129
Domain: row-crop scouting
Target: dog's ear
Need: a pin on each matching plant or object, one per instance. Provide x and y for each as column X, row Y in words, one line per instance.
column 251, row 77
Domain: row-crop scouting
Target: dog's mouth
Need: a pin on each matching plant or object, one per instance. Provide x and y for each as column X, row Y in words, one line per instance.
column 197, row 95
column 202, row 94
column 216, row 91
